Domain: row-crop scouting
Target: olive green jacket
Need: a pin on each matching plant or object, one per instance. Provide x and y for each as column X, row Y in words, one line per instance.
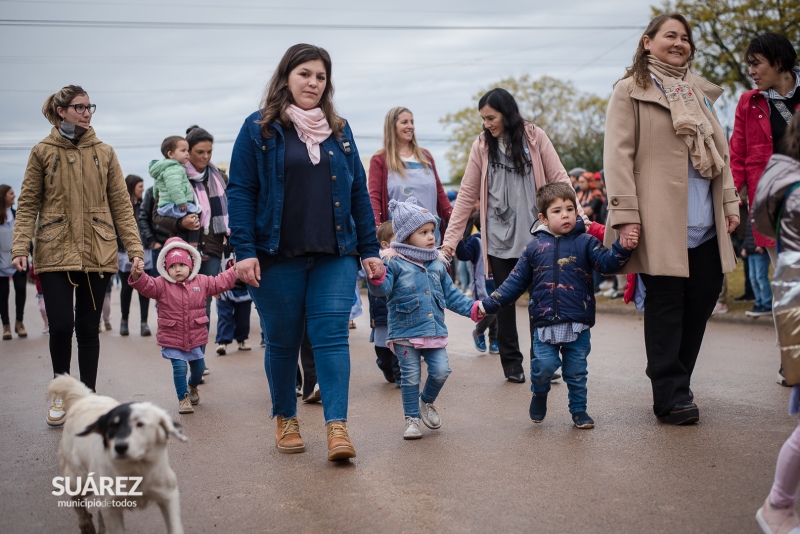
column 72, row 204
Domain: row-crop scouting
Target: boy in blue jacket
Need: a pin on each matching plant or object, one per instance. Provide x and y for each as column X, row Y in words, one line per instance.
column 559, row 263
column 417, row 289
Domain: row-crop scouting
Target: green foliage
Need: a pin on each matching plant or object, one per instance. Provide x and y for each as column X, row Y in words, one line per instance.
column 723, row 28
column 574, row 121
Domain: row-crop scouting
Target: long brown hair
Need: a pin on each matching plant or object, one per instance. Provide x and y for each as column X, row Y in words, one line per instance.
column 277, row 95
column 4, row 189
column 60, row 99
column 639, row 70
column 390, row 148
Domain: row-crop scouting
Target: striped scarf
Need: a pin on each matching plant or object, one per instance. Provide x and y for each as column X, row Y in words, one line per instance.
column 214, row 201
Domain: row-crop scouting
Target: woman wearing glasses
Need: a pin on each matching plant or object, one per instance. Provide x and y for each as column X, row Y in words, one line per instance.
column 73, row 203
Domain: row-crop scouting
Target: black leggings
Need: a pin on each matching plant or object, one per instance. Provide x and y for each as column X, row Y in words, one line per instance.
column 88, row 289
column 125, row 293
column 19, row 279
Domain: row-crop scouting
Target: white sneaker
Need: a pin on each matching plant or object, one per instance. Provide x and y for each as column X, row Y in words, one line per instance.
column 606, row 285
column 314, row 397
column 429, row 415
column 56, row 414
column 222, row 349
column 412, row 429
column 608, row 292
column 243, row 345
column 46, row 330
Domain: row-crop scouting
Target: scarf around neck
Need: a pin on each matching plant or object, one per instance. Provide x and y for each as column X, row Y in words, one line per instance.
column 413, row 253
column 691, row 120
column 312, row 128
column 213, row 202
column 70, row 131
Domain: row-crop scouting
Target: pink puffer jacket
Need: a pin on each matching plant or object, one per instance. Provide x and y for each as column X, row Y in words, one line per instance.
column 182, row 306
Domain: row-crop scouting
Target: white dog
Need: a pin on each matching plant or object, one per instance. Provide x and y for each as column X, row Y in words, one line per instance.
column 107, row 441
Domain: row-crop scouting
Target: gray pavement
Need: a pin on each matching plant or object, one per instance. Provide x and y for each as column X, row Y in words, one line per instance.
column 487, row 469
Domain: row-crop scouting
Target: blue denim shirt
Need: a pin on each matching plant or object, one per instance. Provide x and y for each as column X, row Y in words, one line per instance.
column 255, row 193
column 417, row 296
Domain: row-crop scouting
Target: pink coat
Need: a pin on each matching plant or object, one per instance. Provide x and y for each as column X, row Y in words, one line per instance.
column 751, row 148
column 182, row 305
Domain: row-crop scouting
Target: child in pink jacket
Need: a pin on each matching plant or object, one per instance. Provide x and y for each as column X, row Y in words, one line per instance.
column 181, row 294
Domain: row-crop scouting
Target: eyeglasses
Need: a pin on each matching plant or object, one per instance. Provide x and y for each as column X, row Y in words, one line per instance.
column 80, row 108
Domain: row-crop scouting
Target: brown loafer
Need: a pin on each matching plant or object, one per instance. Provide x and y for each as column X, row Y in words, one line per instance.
column 287, row 436
column 339, row 445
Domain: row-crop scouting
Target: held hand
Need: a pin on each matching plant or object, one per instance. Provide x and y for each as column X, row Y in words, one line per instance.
column 248, row 271
column 632, row 241
column 156, row 246
column 373, row 267
column 624, row 235
column 731, row 221
column 182, row 207
column 137, row 268
column 20, row 263
column 448, row 251
column 191, row 222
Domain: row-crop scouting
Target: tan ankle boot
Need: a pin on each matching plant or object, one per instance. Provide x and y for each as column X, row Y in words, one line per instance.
column 19, row 328
column 287, row 436
column 6, row 331
column 339, row 445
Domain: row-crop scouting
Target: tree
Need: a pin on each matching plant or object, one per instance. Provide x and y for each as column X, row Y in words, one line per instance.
column 574, row 121
column 723, row 29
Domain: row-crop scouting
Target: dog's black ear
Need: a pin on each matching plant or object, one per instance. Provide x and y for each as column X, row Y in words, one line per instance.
column 171, row 426
column 98, row 427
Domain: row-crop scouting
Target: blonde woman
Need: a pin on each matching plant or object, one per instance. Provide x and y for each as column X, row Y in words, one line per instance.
column 403, row 169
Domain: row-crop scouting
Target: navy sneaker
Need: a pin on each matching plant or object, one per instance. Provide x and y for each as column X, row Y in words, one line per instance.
column 538, row 408
column 480, row 341
column 758, row 311
column 493, row 347
column 582, row 420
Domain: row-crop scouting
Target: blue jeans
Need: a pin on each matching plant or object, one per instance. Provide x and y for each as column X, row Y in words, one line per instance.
column 317, row 290
column 179, row 370
column 233, row 321
column 546, row 362
column 759, row 279
column 411, row 370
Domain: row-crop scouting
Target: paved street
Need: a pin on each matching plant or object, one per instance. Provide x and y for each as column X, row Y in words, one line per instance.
column 488, row 469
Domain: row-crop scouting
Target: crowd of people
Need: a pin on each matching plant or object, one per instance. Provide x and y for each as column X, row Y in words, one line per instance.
column 299, row 217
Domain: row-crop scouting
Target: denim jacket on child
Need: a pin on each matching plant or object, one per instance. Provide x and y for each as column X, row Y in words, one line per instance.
column 416, row 296
column 560, row 269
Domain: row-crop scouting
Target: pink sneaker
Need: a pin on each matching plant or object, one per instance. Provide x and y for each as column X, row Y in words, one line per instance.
column 777, row 521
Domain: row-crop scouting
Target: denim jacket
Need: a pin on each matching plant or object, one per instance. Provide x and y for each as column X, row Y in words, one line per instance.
column 416, row 297
column 255, row 193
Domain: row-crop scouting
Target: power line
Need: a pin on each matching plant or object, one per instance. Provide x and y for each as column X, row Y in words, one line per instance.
column 194, row 26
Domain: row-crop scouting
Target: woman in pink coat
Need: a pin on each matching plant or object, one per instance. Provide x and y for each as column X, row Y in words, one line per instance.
column 181, row 294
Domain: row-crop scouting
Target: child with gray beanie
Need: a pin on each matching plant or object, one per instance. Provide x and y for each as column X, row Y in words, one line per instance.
column 417, row 289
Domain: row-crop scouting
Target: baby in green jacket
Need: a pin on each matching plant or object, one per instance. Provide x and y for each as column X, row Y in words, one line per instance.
column 172, row 190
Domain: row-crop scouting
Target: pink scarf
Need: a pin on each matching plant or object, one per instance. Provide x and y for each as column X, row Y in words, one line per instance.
column 312, row 128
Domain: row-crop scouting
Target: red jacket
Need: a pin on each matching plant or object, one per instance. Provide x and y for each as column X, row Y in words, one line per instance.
column 379, row 190
column 751, row 148
column 182, row 305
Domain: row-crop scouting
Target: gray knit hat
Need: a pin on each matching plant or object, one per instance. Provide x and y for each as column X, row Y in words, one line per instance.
column 407, row 217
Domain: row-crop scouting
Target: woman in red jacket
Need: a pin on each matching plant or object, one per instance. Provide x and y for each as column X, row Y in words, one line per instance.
column 403, row 169
column 762, row 116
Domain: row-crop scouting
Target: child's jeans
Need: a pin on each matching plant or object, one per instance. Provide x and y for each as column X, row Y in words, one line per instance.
column 233, row 321
column 759, row 279
column 545, row 362
column 179, row 370
column 411, row 369
column 42, row 310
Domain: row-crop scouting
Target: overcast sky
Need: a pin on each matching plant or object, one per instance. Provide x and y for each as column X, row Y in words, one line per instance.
column 151, row 83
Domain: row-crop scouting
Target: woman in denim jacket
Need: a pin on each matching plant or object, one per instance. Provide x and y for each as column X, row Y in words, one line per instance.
column 300, row 219
column 417, row 289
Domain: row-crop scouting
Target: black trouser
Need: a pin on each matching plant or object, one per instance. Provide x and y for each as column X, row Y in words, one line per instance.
column 676, row 311
column 387, row 362
column 19, row 279
column 125, row 293
column 89, row 290
column 507, row 338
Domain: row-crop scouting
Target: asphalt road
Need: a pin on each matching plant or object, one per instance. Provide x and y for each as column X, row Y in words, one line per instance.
column 489, row 468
